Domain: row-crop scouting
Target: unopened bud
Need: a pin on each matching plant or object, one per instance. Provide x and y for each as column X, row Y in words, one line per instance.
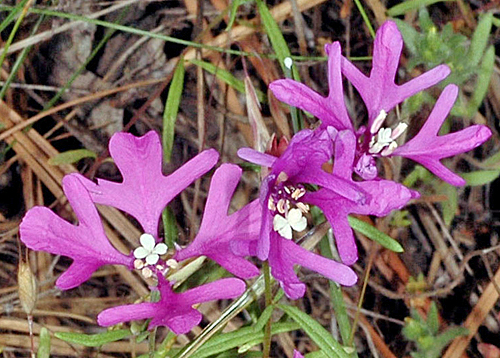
column 27, row 287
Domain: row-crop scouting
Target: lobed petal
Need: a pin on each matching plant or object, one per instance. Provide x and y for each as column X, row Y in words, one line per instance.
column 428, row 148
column 145, row 191
column 86, row 243
column 219, row 232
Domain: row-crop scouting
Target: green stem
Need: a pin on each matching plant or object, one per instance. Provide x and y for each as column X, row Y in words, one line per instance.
column 269, row 302
column 152, row 343
column 365, row 17
column 26, row 4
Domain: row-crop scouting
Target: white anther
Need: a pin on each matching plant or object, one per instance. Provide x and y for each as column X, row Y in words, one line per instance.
column 287, row 190
column 172, row 263
column 288, row 62
column 388, row 150
column 303, row 207
column 150, row 251
column 400, row 129
column 282, row 177
column 282, row 206
column 298, row 193
column 138, row 264
column 146, row 272
column 270, row 204
column 377, row 123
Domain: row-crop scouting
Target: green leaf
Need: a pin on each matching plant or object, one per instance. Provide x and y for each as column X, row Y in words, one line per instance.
column 227, row 77
column 169, row 226
column 227, row 341
column 409, row 5
column 235, row 4
column 316, row 332
column 482, row 82
column 433, row 319
column 479, row 39
column 492, row 162
column 44, row 346
column 93, row 340
column 276, row 37
column 264, row 317
column 71, row 156
column 171, row 110
column 375, row 234
column 449, row 206
column 480, row 177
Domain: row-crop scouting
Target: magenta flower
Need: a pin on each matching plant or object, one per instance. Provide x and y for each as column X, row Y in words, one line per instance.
column 174, row 310
column 145, row 191
column 382, row 197
column 283, row 207
column 428, row 148
column 86, row 243
column 301, row 163
column 226, row 238
column 380, row 94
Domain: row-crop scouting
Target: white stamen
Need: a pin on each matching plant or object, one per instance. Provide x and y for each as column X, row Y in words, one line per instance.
column 303, row 207
column 172, row 263
column 282, row 177
column 138, row 264
column 288, row 62
column 270, row 204
column 281, row 206
column 377, row 123
column 298, row 193
column 146, row 272
column 388, row 150
column 287, row 190
column 400, row 128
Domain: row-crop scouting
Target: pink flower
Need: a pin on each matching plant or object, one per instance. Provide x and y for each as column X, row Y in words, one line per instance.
column 174, row 310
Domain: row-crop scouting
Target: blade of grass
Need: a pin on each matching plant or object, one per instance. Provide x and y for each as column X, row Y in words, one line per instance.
column 365, row 17
column 172, row 109
column 409, row 5
column 26, row 5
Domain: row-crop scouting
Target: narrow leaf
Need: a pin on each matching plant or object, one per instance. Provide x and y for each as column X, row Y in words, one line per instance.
column 44, row 346
column 482, row 82
column 169, row 226
column 375, row 234
column 276, row 37
column 433, row 319
column 93, row 340
column 171, row 110
column 71, row 156
column 480, row 177
column 409, row 5
column 479, row 39
column 316, row 332
column 264, row 317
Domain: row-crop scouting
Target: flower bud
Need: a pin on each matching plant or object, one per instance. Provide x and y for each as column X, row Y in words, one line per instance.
column 27, row 287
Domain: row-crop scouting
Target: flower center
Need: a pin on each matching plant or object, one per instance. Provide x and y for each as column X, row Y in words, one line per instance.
column 148, row 255
column 287, row 211
column 383, row 140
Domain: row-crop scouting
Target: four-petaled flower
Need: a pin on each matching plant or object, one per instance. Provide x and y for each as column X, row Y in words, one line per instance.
column 174, row 310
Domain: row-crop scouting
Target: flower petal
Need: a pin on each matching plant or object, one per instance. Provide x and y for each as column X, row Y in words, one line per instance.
column 145, row 191
column 379, row 91
column 219, row 232
column 86, row 243
column 428, row 148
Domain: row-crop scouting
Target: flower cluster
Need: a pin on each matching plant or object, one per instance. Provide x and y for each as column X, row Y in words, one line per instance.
column 333, row 167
